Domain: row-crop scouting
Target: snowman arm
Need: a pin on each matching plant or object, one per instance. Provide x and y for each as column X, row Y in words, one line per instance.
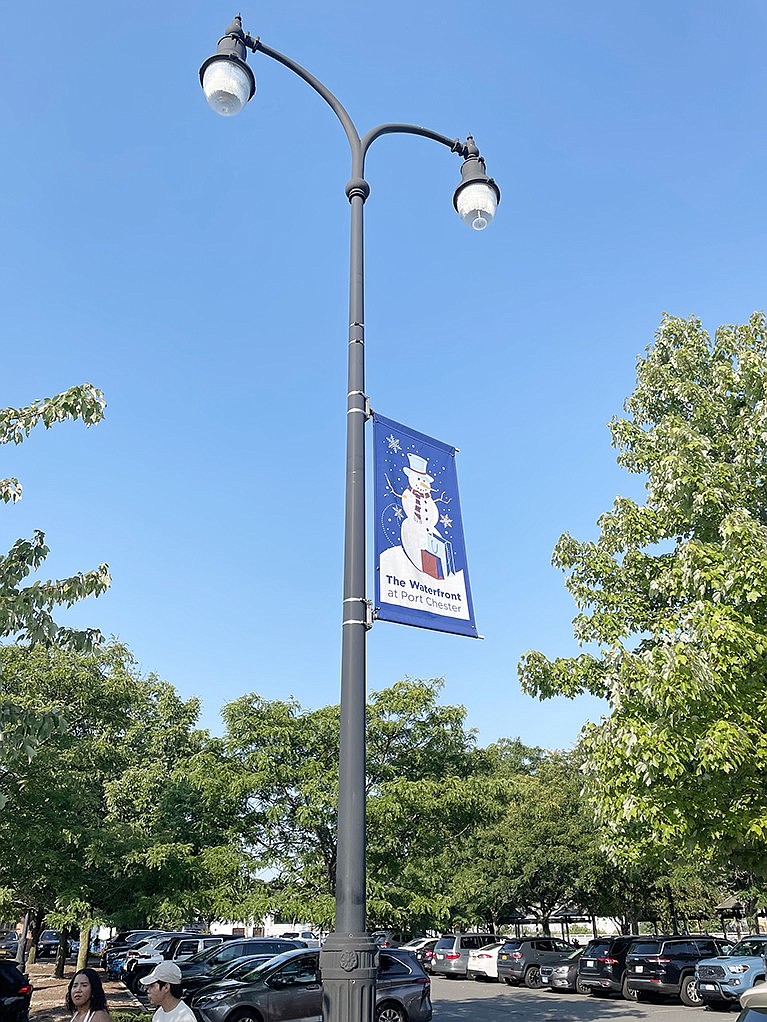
column 442, row 499
column 390, row 487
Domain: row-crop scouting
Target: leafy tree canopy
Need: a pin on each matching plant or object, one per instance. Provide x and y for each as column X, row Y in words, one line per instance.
column 672, row 599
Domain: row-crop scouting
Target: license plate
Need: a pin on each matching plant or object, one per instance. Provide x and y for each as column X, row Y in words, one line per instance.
column 639, row 968
column 707, row 986
column 589, row 963
column 544, row 979
column 440, row 957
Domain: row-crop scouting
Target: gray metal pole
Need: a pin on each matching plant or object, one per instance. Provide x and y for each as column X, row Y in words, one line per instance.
column 349, row 957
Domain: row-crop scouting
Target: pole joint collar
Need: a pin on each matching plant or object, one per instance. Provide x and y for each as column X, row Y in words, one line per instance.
column 357, row 188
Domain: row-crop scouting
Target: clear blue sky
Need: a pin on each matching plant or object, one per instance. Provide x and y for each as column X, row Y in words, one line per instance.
column 196, row 269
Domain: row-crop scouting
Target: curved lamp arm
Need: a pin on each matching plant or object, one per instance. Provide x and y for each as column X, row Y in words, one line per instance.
column 229, row 84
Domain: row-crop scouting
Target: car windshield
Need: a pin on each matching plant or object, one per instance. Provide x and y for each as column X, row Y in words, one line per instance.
column 251, row 971
column 574, row 954
column 750, row 946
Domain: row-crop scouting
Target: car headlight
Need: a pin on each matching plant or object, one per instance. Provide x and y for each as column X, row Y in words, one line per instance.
column 738, row 968
column 213, row 998
column 561, row 971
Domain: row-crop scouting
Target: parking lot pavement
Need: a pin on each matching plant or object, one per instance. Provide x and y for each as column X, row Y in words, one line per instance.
column 457, row 1000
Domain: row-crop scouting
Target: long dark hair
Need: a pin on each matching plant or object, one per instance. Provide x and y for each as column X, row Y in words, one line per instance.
column 98, row 997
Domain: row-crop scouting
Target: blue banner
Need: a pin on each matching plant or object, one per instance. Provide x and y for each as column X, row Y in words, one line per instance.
column 421, row 573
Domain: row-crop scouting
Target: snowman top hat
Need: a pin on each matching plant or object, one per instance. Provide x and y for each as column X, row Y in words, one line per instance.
column 418, row 467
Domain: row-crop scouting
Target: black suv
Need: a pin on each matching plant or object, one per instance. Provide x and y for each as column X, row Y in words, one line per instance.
column 665, row 966
column 602, row 967
column 521, row 959
column 15, row 993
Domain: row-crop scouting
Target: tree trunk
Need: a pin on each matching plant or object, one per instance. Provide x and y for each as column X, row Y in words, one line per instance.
column 61, row 953
column 37, row 925
column 85, row 940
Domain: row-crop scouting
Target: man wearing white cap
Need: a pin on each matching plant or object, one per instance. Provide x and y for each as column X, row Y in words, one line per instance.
column 163, row 987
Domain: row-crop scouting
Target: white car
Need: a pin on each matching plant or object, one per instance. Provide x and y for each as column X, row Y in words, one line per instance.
column 415, row 944
column 483, row 962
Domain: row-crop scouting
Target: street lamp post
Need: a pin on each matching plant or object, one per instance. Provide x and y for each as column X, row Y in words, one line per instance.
column 349, row 956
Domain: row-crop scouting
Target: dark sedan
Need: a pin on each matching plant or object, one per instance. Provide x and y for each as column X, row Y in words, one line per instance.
column 289, row 987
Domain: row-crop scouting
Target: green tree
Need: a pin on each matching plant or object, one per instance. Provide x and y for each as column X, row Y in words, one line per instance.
column 124, row 815
column 424, row 785
column 26, row 610
column 672, row 599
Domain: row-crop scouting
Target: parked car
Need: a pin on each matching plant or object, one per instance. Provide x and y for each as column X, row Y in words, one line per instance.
column 238, row 969
column 175, row 947
column 723, row 979
column 425, row 954
column 386, row 938
column 123, row 940
column 665, row 966
column 563, row 975
column 15, row 993
column 483, row 961
column 520, row 959
column 305, row 937
column 202, row 964
column 754, row 1004
column 289, row 987
column 451, row 952
column 9, row 945
column 48, row 943
column 415, row 943
column 602, row 966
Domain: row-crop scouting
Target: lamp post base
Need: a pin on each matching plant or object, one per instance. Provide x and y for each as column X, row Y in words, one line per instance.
column 349, row 962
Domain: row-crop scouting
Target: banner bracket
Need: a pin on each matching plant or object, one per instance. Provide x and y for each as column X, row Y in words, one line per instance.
column 367, row 410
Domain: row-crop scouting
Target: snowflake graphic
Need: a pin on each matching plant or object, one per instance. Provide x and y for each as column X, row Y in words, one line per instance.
column 399, row 513
column 446, row 520
column 393, row 443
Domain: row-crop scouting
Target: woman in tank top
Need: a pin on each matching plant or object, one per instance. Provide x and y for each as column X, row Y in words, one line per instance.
column 86, row 998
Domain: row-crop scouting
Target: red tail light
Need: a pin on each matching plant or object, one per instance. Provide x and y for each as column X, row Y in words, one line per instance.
column 428, row 954
column 27, row 989
column 452, row 955
column 516, row 954
column 608, row 961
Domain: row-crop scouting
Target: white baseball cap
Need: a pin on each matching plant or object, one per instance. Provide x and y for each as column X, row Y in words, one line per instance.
column 165, row 972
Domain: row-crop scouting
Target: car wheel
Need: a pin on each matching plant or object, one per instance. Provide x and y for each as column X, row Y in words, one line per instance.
column 245, row 1015
column 390, row 1013
column 689, row 993
column 626, row 992
column 579, row 987
column 533, row 979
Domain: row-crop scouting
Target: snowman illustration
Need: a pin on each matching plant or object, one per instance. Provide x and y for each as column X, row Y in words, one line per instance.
column 422, row 541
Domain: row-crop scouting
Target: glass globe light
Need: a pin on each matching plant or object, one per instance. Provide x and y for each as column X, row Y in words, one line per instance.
column 228, row 85
column 476, row 203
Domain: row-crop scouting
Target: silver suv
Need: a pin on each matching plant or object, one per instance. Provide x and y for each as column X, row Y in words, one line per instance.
column 451, row 952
